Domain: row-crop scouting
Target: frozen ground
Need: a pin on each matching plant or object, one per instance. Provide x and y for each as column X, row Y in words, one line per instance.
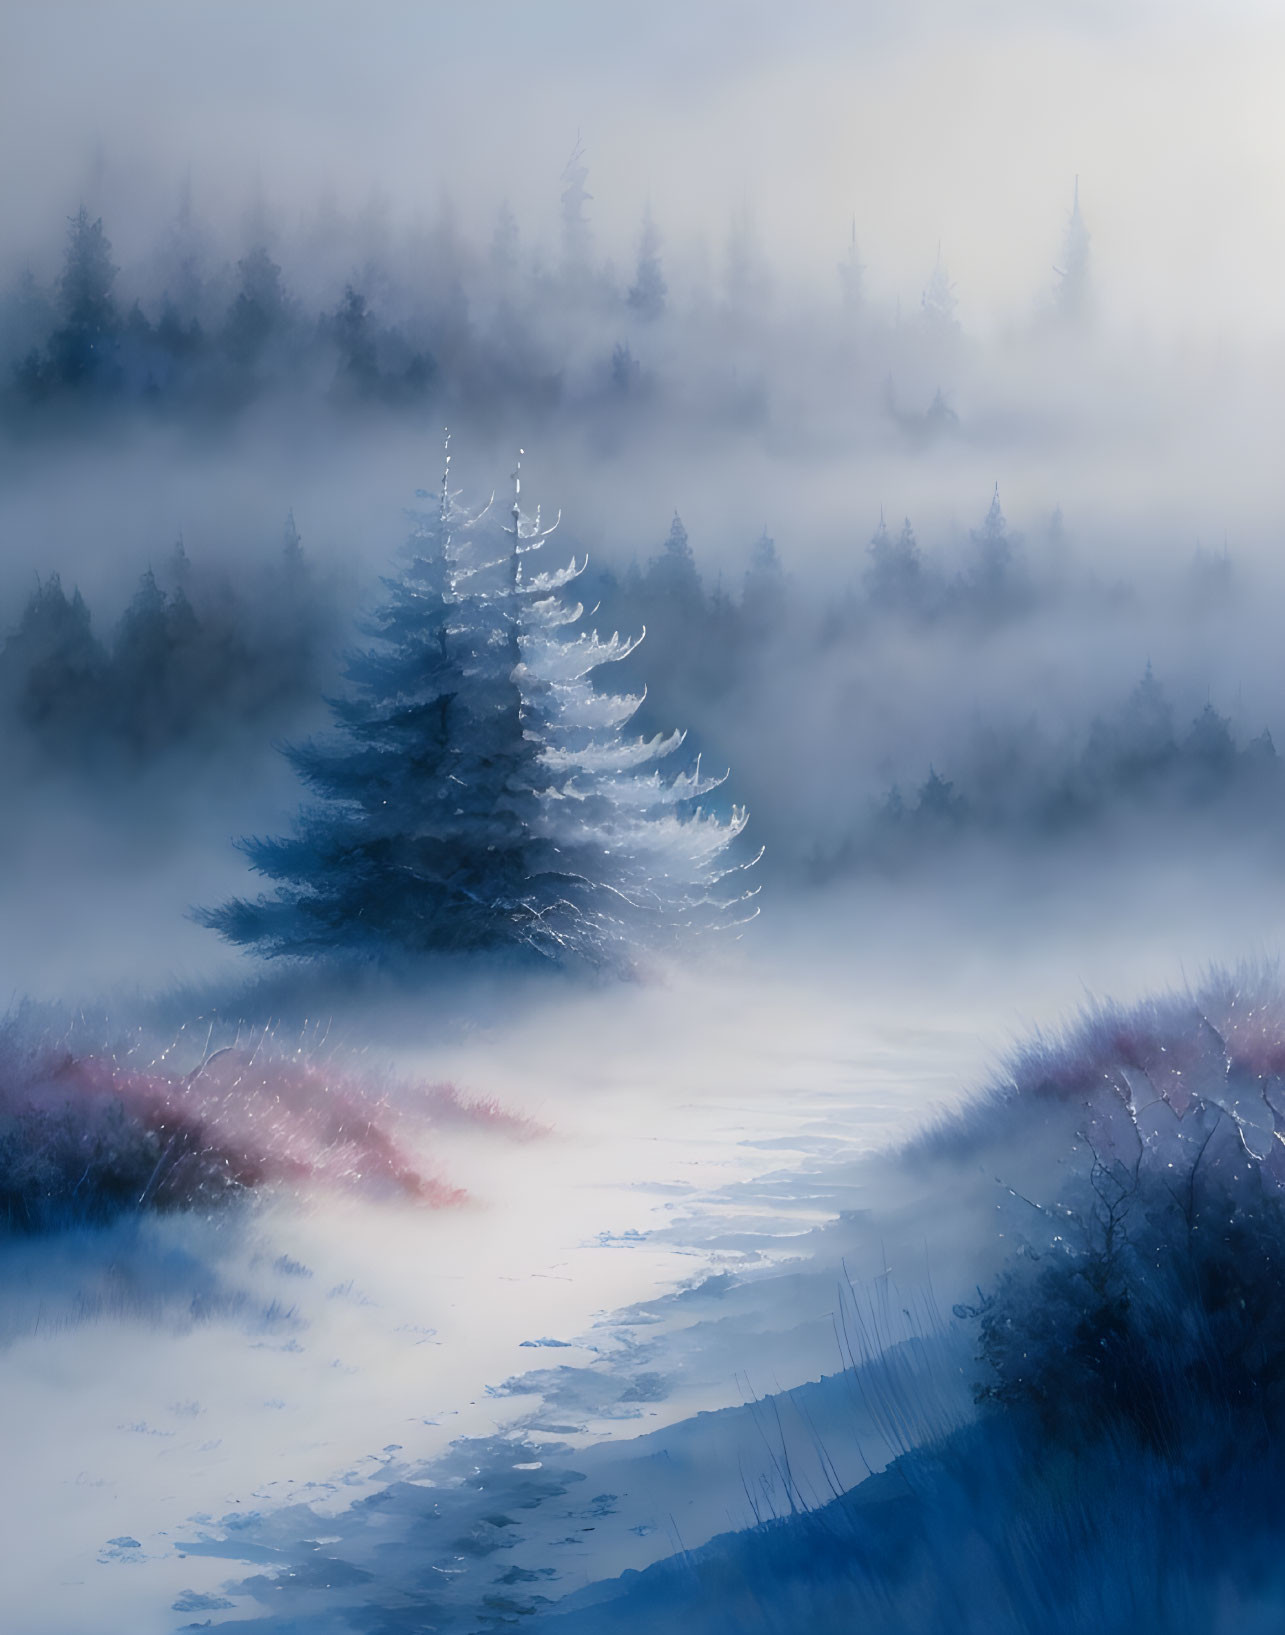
column 372, row 1324
column 705, row 1130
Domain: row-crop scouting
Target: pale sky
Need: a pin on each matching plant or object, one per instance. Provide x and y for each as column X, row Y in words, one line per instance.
column 956, row 123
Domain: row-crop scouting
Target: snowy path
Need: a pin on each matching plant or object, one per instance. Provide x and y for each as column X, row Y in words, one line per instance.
column 371, row 1330
column 341, row 1336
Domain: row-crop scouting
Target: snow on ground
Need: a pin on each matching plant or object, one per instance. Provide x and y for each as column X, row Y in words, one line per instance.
column 354, row 1325
column 697, row 1122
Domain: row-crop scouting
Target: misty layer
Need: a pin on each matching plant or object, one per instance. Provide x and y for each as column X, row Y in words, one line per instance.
column 495, row 334
column 1132, row 766
column 949, row 654
column 195, row 661
column 1119, row 1467
column 854, row 691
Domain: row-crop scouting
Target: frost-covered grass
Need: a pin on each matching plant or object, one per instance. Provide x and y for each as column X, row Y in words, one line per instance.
column 1126, row 1468
column 89, row 1133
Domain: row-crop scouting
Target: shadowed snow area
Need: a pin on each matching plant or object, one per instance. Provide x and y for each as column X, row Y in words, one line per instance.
column 642, row 1236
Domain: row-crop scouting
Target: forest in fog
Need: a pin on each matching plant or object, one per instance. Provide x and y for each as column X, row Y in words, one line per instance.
column 642, row 817
column 221, row 650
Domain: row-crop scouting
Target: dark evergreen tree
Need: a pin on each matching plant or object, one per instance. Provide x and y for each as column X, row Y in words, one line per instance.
column 1209, row 756
column 626, row 371
column 52, row 667
column 477, row 793
column 938, row 805
column 143, row 369
column 353, row 334
column 421, row 836
column 82, row 348
column 285, row 631
column 258, row 312
column 996, row 583
column 648, row 291
column 181, row 340
column 152, row 696
column 673, row 574
column 1260, row 760
column 26, row 316
column 894, row 577
column 695, row 637
column 195, row 659
column 1131, row 752
column 1147, row 720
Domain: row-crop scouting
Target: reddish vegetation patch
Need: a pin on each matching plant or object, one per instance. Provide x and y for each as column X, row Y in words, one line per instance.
column 1169, row 1073
column 448, row 1106
column 87, row 1135
column 1180, row 1045
column 273, row 1118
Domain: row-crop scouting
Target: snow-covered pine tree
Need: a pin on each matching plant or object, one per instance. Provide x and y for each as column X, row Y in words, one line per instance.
column 478, row 791
column 650, row 862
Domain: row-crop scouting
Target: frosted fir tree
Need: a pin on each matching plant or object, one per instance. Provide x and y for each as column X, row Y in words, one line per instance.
column 650, row 861
column 478, row 792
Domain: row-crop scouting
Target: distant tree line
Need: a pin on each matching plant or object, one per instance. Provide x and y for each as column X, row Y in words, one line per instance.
column 996, row 580
column 713, row 650
column 194, row 659
column 1019, row 788
column 701, row 640
column 496, row 329
column 212, row 659
column 706, row 642
column 90, row 347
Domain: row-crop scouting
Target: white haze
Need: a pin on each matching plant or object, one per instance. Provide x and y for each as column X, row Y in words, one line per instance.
column 847, row 1015
column 929, row 123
